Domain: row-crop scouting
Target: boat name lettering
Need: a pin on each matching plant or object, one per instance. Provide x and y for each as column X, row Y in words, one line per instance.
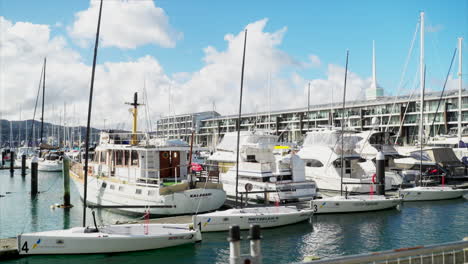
column 200, row 195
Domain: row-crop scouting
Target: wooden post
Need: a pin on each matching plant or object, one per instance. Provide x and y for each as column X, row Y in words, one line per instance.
column 23, row 165
column 12, row 162
column 34, row 177
column 3, row 158
column 66, row 183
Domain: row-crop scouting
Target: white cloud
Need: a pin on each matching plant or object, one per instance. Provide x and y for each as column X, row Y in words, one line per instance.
column 24, row 45
column 125, row 24
column 315, row 61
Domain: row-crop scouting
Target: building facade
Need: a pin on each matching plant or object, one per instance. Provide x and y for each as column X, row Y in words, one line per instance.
column 399, row 115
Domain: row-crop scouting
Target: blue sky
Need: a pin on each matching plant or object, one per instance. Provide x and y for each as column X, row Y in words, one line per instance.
column 322, row 28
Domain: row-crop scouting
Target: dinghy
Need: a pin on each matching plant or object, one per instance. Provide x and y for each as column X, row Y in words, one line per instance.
column 431, row 193
column 354, row 203
column 107, row 239
column 266, row 217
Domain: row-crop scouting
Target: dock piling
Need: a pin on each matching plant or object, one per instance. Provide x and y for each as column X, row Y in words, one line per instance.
column 255, row 248
column 234, row 244
column 23, row 165
column 66, row 183
column 34, row 166
column 3, row 158
column 12, row 162
column 380, row 162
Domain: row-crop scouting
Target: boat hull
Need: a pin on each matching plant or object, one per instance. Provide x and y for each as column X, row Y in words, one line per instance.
column 188, row 201
column 430, row 193
column 50, row 166
column 76, row 241
column 351, row 204
column 266, row 217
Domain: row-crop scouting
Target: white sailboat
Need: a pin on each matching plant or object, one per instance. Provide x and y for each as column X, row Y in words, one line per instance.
column 106, row 239
column 266, row 217
column 257, row 158
column 426, row 193
column 51, row 162
column 353, row 203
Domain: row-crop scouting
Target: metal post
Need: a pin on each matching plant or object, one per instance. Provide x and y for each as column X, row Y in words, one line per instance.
column 380, row 161
column 12, row 162
column 34, row 176
column 255, row 249
column 234, row 245
column 23, row 165
column 66, row 183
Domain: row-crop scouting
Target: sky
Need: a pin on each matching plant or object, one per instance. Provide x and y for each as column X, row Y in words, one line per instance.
column 187, row 55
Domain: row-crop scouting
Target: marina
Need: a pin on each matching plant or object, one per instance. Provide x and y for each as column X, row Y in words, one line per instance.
column 329, row 235
column 365, row 175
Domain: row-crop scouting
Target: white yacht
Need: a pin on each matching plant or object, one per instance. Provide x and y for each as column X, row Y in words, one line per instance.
column 51, row 162
column 261, row 169
column 322, row 152
column 369, row 143
column 133, row 172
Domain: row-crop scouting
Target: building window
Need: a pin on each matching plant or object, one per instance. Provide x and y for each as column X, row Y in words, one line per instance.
column 138, row 191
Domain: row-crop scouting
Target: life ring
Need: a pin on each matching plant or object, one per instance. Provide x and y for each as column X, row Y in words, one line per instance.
column 373, row 178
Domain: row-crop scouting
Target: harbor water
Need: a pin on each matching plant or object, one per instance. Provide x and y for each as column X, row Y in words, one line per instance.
column 416, row 223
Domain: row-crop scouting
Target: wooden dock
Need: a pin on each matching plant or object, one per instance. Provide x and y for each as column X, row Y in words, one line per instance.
column 9, row 247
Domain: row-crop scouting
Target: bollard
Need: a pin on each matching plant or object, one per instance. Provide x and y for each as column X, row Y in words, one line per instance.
column 34, row 176
column 12, row 162
column 255, row 249
column 234, row 245
column 66, row 183
column 23, row 165
column 380, row 163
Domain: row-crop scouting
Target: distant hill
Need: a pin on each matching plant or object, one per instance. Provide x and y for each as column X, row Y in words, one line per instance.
column 19, row 129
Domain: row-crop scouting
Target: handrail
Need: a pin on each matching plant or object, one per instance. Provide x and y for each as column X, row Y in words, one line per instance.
column 396, row 254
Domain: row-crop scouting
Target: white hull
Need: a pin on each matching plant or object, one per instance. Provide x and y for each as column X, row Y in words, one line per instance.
column 333, row 184
column 266, row 217
column 358, row 203
column 109, row 239
column 188, row 201
column 50, row 166
column 430, row 193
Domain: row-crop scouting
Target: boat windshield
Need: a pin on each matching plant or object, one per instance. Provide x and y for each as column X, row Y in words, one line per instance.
column 417, row 155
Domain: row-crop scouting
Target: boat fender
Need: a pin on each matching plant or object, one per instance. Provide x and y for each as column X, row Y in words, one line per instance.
column 373, row 178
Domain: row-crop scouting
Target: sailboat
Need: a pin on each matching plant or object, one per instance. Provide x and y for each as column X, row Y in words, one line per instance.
column 106, row 239
column 426, row 193
column 265, row 217
column 349, row 203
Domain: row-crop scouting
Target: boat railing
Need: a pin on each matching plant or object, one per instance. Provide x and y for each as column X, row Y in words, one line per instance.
column 452, row 252
column 123, row 138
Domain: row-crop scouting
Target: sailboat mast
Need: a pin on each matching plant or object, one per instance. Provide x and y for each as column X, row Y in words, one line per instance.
column 43, row 99
column 88, row 124
column 239, row 118
column 342, row 124
column 421, row 80
column 459, row 89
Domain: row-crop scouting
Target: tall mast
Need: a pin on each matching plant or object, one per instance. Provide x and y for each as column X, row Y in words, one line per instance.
column 374, row 72
column 460, row 40
column 421, row 80
column 239, row 118
column 135, row 105
column 88, row 124
column 342, row 124
column 43, row 99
